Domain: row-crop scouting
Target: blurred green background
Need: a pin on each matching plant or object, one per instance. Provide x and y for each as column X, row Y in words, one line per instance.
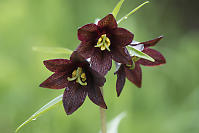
column 168, row 100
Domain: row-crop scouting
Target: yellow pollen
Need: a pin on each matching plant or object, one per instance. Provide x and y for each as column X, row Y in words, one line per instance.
column 74, row 73
column 103, row 42
column 103, row 47
column 79, row 76
column 83, row 75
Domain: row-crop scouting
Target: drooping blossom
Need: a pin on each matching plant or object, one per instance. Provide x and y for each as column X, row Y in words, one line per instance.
column 78, row 79
column 103, row 42
column 134, row 74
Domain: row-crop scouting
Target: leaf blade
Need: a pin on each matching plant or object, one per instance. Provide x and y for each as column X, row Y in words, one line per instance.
column 50, row 105
column 114, row 124
column 117, row 8
column 135, row 52
column 53, row 50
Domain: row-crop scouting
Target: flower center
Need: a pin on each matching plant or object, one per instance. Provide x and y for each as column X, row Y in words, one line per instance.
column 79, row 76
column 103, row 43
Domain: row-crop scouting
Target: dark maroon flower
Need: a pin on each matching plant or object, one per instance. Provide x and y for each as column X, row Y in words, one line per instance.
column 135, row 74
column 78, row 78
column 103, row 42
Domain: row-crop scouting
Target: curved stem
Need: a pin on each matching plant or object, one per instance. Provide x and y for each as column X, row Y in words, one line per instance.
column 103, row 117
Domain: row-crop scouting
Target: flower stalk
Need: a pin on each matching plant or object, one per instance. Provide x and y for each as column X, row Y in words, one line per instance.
column 103, row 117
column 132, row 12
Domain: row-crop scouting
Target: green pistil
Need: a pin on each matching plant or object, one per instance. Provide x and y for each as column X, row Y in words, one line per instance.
column 134, row 59
column 103, row 43
column 79, row 76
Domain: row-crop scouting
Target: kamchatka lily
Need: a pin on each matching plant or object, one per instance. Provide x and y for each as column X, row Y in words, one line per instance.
column 134, row 73
column 78, row 78
column 103, row 42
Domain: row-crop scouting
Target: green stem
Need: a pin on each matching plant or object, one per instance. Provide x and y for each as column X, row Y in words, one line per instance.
column 132, row 12
column 103, row 117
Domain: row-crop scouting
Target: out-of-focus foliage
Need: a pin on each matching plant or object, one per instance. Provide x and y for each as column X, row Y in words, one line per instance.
column 168, row 100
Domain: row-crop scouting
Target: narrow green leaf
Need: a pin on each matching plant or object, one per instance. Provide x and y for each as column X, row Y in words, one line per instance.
column 135, row 52
column 52, row 50
column 132, row 12
column 117, row 8
column 114, row 124
column 42, row 110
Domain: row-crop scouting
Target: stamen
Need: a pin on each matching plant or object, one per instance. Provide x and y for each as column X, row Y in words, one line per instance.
column 80, row 82
column 83, row 76
column 103, row 47
column 79, row 76
column 134, row 59
column 131, row 67
column 74, row 73
column 103, row 43
column 71, row 79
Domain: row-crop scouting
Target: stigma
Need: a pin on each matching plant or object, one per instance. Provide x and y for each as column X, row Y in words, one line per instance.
column 103, row 43
column 79, row 76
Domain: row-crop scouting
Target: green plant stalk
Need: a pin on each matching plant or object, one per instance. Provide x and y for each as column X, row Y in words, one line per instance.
column 103, row 117
column 132, row 12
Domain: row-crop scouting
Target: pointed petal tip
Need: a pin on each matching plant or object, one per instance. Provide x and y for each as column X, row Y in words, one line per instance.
column 87, row 32
column 161, row 36
column 104, row 106
column 139, row 86
column 43, row 85
column 69, row 113
column 45, row 62
column 108, row 21
column 152, row 42
column 156, row 55
column 118, row 94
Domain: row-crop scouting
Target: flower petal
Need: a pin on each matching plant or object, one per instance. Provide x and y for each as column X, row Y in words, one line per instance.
column 57, row 65
column 85, row 49
column 135, row 75
column 151, row 42
column 121, row 55
column 121, row 77
column 87, row 32
column 95, row 95
column 76, row 57
column 121, row 36
column 73, row 98
column 157, row 56
column 108, row 22
column 96, row 78
column 101, row 61
column 56, row 81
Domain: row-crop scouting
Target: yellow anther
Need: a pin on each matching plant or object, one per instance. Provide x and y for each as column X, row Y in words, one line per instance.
column 99, row 41
column 84, row 79
column 103, row 42
column 83, row 75
column 104, row 35
column 108, row 42
column 74, row 73
column 79, row 76
column 103, row 47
